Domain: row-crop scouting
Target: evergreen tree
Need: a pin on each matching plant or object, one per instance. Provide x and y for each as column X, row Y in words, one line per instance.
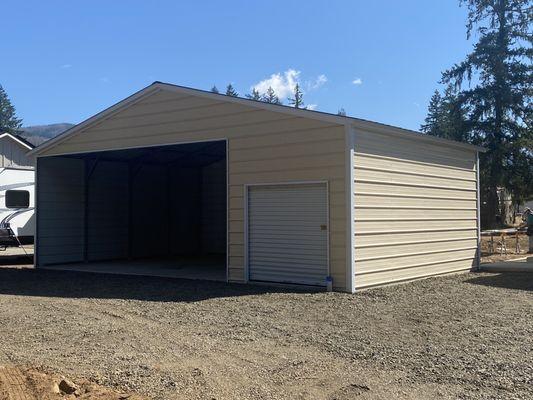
column 341, row 112
column 433, row 121
column 271, row 97
column 214, row 89
column 8, row 118
column 230, row 91
column 493, row 97
column 298, row 100
column 255, row 95
column 446, row 117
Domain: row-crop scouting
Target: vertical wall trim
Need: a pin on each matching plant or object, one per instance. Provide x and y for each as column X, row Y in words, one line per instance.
column 349, row 187
column 227, row 209
column 478, row 214
column 246, row 239
column 86, row 212
column 36, row 211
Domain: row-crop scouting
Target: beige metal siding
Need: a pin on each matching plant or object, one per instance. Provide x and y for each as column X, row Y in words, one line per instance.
column 263, row 147
column 415, row 209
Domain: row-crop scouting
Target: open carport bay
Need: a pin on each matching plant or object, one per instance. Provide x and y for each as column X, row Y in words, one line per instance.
column 154, row 210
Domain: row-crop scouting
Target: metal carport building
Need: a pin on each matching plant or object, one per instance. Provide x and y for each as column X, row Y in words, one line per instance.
column 252, row 191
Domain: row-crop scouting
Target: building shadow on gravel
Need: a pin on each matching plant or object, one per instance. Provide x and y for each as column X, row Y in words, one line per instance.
column 71, row 284
column 507, row 280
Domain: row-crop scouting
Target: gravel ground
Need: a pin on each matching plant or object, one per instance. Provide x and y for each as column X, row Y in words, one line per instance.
column 464, row 336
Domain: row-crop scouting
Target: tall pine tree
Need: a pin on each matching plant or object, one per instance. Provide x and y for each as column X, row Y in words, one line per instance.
column 493, row 96
column 298, row 100
column 446, row 117
column 214, row 89
column 271, row 97
column 254, row 95
column 230, row 91
column 433, row 121
column 8, row 118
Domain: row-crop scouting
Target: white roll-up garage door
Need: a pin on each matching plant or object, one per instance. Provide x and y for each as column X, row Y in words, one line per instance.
column 288, row 233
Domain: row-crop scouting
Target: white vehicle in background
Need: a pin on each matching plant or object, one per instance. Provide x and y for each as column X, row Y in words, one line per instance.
column 17, row 216
column 17, row 183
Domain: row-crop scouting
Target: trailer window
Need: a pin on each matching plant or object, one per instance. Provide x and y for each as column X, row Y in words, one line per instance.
column 17, row 199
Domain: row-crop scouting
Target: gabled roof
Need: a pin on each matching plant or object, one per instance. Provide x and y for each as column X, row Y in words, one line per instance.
column 18, row 139
column 311, row 114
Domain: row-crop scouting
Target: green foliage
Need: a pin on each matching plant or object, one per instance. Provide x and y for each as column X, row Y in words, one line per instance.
column 488, row 99
column 8, row 118
column 230, row 91
column 255, row 95
column 271, row 97
column 298, row 100
column 214, row 89
column 446, row 117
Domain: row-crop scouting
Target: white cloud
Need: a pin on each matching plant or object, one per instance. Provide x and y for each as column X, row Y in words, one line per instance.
column 357, row 81
column 320, row 81
column 66, row 66
column 283, row 84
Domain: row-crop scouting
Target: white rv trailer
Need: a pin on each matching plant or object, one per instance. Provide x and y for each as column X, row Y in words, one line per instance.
column 17, row 182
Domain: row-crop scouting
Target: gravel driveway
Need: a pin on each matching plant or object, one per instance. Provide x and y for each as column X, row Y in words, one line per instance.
column 464, row 336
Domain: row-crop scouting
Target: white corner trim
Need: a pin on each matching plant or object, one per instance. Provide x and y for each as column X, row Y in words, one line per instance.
column 478, row 214
column 349, row 137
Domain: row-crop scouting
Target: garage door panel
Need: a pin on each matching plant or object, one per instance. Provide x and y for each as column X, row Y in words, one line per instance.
column 287, row 233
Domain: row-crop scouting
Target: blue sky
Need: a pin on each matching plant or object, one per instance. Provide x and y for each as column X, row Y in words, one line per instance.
column 63, row 61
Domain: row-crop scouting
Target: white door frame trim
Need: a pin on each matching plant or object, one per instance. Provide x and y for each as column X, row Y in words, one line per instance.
column 350, row 204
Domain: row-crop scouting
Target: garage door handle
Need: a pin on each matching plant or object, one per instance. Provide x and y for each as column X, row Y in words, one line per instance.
column 323, row 227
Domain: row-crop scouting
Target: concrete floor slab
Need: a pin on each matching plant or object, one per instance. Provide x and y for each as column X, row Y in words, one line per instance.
column 185, row 268
column 518, row 265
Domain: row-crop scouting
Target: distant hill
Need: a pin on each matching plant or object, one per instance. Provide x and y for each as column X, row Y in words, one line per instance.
column 38, row 134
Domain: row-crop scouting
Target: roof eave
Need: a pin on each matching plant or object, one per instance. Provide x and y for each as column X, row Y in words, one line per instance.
column 396, row 131
column 317, row 115
column 29, row 146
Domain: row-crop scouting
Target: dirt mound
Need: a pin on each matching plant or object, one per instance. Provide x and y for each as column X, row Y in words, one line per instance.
column 17, row 383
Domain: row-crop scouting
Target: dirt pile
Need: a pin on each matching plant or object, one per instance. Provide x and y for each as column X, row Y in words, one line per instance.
column 17, row 383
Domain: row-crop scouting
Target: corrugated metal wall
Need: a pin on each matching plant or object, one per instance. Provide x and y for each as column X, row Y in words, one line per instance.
column 415, row 209
column 108, row 211
column 214, row 208
column 179, row 211
column 185, row 215
column 13, row 155
column 60, row 213
column 150, row 223
column 264, row 147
